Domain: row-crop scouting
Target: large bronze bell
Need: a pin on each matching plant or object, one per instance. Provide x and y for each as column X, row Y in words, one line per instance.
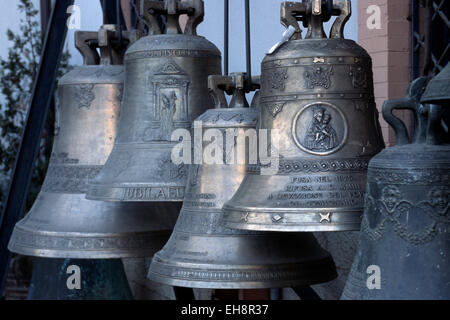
column 404, row 246
column 318, row 93
column 201, row 253
column 62, row 223
column 166, row 87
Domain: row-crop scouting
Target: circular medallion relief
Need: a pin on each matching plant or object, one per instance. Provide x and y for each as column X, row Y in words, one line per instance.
column 320, row 128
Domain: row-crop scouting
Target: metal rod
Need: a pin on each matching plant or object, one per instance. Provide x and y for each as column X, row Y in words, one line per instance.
column 46, row 10
column 415, row 52
column 105, row 16
column 415, row 30
column 119, row 20
column 44, row 85
column 306, row 293
column 247, row 40
column 276, row 294
column 184, row 294
column 428, row 41
column 226, row 20
column 111, row 12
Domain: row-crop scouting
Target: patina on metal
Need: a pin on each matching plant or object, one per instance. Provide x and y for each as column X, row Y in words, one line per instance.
column 404, row 245
column 166, row 87
column 62, row 223
column 100, row 279
column 203, row 254
column 438, row 91
column 318, row 93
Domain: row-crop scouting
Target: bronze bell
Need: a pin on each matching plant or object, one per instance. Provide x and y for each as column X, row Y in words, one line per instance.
column 404, row 246
column 62, row 223
column 318, row 93
column 202, row 254
column 438, row 91
column 166, row 87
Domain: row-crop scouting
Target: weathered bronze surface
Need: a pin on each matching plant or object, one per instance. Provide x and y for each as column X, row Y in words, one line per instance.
column 62, row 223
column 202, row 254
column 166, row 87
column 406, row 225
column 318, row 93
column 438, row 91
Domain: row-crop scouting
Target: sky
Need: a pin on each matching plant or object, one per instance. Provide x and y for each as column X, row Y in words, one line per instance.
column 266, row 29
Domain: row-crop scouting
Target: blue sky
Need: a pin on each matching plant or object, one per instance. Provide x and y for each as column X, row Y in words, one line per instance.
column 265, row 27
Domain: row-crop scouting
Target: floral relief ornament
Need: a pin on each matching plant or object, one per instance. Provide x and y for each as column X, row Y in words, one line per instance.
column 318, row 77
column 277, row 79
column 392, row 207
column 84, row 95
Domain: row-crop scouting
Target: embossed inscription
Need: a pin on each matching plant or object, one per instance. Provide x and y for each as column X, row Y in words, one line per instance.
column 170, row 53
column 321, row 191
column 69, row 178
column 23, row 238
column 200, row 200
column 154, row 193
column 293, row 166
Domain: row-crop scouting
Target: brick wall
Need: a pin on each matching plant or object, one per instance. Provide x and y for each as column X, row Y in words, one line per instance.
column 390, row 48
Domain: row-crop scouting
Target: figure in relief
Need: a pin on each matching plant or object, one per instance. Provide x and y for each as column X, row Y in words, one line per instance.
column 167, row 113
column 320, row 136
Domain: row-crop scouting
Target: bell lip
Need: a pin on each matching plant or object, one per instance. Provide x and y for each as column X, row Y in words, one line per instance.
column 324, row 271
column 80, row 254
column 356, row 226
column 153, row 237
column 353, row 224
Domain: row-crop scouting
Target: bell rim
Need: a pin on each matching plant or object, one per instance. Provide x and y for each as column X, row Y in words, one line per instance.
column 296, row 228
column 81, row 254
column 326, row 272
column 325, row 216
column 141, row 247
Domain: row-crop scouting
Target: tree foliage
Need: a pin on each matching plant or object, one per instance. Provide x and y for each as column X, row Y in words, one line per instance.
column 17, row 73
